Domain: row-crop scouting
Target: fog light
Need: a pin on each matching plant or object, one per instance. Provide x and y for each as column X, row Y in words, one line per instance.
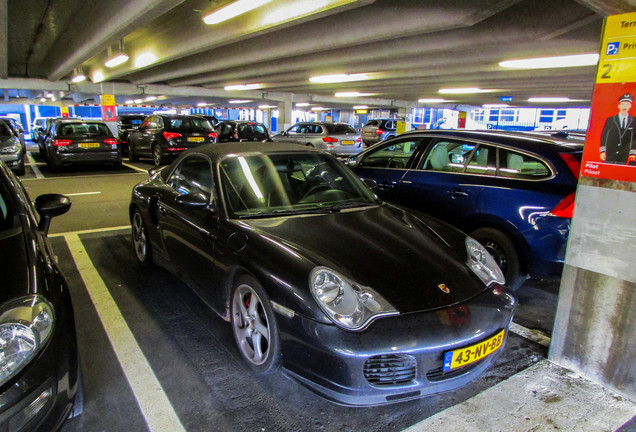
column 18, row 421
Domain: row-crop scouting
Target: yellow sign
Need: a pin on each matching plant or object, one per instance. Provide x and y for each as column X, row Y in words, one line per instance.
column 108, row 100
column 618, row 50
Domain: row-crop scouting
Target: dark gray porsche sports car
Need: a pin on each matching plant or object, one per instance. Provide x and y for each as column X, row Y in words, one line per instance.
column 363, row 302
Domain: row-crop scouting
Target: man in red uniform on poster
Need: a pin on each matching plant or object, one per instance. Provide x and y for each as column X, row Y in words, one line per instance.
column 617, row 138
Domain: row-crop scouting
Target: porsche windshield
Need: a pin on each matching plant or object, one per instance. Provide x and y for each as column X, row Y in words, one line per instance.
column 278, row 184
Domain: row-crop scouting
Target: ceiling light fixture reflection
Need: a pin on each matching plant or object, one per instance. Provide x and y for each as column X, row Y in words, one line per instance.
column 233, row 10
column 145, row 60
column 466, row 90
column 552, row 62
column 98, row 77
column 432, row 100
column 337, row 78
column 351, row 94
column 242, row 87
column 549, row 99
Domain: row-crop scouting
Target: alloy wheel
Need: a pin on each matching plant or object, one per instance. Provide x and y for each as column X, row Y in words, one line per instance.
column 250, row 325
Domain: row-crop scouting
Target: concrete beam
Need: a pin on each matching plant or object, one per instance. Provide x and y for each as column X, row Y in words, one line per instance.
column 4, row 40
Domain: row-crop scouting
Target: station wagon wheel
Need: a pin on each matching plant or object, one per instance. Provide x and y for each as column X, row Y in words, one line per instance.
column 254, row 326
column 140, row 240
column 503, row 250
column 157, row 157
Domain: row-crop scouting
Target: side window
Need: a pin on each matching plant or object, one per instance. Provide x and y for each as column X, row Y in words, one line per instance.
column 483, row 161
column 394, row 155
column 448, row 155
column 293, row 129
column 226, row 129
column 194, row 175
column 521, row 166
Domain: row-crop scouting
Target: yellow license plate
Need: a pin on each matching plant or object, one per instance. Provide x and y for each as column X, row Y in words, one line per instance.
column 347, row 142
column 89, row 145
column 468, row 355
column 196, row 139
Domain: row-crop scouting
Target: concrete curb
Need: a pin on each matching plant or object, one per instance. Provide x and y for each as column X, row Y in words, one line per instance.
column 544, row 397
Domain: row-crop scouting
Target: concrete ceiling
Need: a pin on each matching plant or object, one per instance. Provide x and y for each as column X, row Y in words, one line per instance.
column 410, row 48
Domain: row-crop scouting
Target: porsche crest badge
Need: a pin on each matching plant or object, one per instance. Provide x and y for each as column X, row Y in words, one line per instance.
column 444, row 288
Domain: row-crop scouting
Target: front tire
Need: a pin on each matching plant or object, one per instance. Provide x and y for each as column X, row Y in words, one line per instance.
column 254, row 326
column 505, row 253
column 132, row 156
column 140, row 239
column 157, row 157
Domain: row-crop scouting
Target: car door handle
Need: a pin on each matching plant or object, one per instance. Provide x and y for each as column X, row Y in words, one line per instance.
column 161, row 209
column 386, row 186
column 457, row 193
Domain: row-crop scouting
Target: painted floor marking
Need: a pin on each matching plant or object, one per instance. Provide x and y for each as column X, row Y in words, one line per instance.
column 34, row 166
column 155, row 407
column 91, row 231
column 82, row 193
column 135, row 168
column 533, row 335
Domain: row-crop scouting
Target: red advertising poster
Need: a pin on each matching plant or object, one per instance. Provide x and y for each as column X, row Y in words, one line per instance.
column 610, row 147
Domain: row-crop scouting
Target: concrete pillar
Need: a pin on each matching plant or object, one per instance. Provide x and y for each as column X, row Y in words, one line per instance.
column 596, row 314
column 284, row 115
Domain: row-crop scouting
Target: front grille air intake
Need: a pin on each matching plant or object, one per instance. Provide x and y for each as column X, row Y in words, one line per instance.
column 390, row 369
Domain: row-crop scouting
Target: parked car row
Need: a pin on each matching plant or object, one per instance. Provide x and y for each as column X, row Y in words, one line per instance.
column 12, row 148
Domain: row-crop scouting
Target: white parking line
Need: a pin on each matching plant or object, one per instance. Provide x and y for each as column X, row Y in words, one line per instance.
column 533, row 335
column 82, row 193
column 155, row 407
column 34, row 166
column 135, row 168
column 91, row 231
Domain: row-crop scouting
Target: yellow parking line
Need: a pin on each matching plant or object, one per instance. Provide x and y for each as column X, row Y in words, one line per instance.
column 34, row 166
column 155, row 407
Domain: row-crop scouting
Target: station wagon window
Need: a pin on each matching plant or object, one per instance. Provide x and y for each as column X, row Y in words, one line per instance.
column 294, row 129
column 483, row 160
column 192, row 176
column 393, row 155
column 446, row 155
column 521, row 166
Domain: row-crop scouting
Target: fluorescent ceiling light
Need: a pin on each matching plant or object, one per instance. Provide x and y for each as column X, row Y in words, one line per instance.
column 495, row 105
column 116, row 60
column 432, row 100
column 351, row 94
column 360, row 107
column 138, row 101
column 151, row 98
column 201, row 104
column 238, row 101
column 320, row 109
column 468, row 90
column 78, row 78
column 98, row 77
column 549, row 99
column 336, row 78
column 233, row 10
column 267, row 106
column 42, row 99
column 129, row 102
column 552, row 62
column 242, row 87
column 145, row 60
column 302, row 104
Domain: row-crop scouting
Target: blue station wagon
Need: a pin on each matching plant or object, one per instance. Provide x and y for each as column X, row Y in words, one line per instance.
column 513, row 192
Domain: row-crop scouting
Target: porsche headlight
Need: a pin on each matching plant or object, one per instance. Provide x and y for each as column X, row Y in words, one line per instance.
column 482, row 263
column 348, row 304
column 25, row 326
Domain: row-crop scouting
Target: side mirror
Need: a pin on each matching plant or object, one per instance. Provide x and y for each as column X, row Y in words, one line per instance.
column 371, row 184
column 192, row 200
column 49, row 206
column 351, row 161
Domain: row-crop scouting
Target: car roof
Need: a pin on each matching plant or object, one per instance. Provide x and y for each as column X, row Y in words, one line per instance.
column 517, row 139
column 217, row 151
column 74, row 120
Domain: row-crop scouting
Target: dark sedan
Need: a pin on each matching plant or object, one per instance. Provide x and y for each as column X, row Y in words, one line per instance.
column 40, row 382
column 242, row 130
column 125, row 124
column 513, row 192
column 163, row 137
column 72, row 142
column 361, row 301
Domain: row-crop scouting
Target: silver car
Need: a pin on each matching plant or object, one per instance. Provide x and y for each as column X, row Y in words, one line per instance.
column 337, row 138
column 11, row 150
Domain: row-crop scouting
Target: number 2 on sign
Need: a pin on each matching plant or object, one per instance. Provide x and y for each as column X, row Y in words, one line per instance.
column 608, row 69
